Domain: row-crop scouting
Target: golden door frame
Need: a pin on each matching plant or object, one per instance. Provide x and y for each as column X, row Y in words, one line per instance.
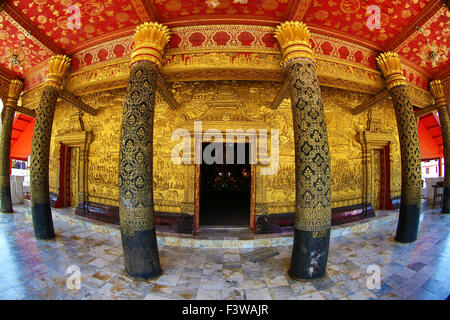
column 370, row 142
column 197, row 177
column 79, row 140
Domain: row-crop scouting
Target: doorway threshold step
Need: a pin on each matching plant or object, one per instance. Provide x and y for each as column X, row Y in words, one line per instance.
column 223, row 228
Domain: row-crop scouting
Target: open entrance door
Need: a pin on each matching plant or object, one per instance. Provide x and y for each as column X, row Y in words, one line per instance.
column 225, row 187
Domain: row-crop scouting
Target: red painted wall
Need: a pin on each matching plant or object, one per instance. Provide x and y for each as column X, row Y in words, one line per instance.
column 21, row 149
column 428, row 146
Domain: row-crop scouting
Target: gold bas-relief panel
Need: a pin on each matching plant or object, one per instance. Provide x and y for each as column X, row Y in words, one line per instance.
column 226, row 105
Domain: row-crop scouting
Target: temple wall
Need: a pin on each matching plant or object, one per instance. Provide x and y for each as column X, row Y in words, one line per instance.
column 225, row 105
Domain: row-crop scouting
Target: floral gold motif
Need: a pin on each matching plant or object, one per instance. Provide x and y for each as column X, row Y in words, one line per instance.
column 149, row 42
column 293, row 37
column 57, row 69
column 390, row 65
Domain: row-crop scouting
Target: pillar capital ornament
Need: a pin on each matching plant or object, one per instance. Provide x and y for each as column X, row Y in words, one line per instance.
column 150, row 39
column 15, row 87
column 437, row 90
column 57, row 68
column 391, row 67
column 293, row 37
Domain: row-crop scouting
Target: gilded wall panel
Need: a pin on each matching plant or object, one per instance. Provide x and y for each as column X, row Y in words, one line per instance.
column 226, row 105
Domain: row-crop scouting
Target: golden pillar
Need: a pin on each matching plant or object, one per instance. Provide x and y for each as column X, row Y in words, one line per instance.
column 437, row 90
column 40, row 148
column 136, row 203
column 15, row 87
column 408, row 223
column 312, row 160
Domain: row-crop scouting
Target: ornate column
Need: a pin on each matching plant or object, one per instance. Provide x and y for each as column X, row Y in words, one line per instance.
column 15, row 87
column 437, row 90
column 40, row 148
column 408, row 222
column 136, row 154
column 312, row 161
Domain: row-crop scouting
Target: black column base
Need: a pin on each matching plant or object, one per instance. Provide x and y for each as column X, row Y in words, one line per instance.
column 5, row 200
column 408, row 223
column 446, row 201
column 141, row 256
column 42, row 221
column 309, row 255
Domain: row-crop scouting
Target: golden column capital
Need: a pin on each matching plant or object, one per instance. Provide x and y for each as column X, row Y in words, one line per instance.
column 15, row 87
column 437, row 90
column 293, row 37
column 150, row 39
column 57, row 68
column 391, row 67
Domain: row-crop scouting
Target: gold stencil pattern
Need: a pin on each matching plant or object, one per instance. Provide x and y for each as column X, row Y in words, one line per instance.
column 312, row 160
column 173, row 184
column 136, row 150
column 437, row 89
column 445, row 127
column 40, row 147
column 409, row 146
column 5, row 146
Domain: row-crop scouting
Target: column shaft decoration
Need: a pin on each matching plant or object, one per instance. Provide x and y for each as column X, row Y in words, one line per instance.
column 312, row 161
column 40, row 148
column 437, row 90
column 408, row 223
column 15, row 87
column 136, row 203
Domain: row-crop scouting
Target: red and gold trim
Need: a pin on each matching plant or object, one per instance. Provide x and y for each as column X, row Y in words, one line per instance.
column 437, row 90
column 57, row 69
column 15, row 87
column 149, row 42
column 293, row 37
column 389, row 63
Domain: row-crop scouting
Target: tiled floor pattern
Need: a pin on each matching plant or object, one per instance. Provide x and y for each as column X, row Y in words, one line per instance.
column 31, row 269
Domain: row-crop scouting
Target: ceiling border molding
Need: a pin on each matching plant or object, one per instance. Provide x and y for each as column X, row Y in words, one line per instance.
column 8, row 73
column 333, row 33
column 143, row 6
column 301, row 10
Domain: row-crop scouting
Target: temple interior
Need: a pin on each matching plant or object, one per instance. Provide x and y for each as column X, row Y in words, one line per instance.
column 224, row 149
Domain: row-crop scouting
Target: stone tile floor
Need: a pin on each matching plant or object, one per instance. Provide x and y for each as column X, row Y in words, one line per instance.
column 31, row 269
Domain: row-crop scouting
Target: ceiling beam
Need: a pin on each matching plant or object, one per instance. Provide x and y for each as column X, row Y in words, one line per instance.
column 166, row 93
column 18, row 17
column 150, row 9
column 371, row 102
column 281, row 94
column 425, row 111
column 70, row 98
column 419, row 21
column 299, row 9
column 25, row 111
column 8, row 73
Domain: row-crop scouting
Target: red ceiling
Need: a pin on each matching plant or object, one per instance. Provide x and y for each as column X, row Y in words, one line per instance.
column 350, row 18
column 11, row 37
column 437, row 32
column 177, row 12
column 346, row 19
column 97, row 18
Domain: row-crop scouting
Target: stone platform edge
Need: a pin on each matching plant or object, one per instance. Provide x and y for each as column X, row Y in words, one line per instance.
column 178, row 240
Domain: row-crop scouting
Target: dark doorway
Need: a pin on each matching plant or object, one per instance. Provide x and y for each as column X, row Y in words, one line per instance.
column 225, row 188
